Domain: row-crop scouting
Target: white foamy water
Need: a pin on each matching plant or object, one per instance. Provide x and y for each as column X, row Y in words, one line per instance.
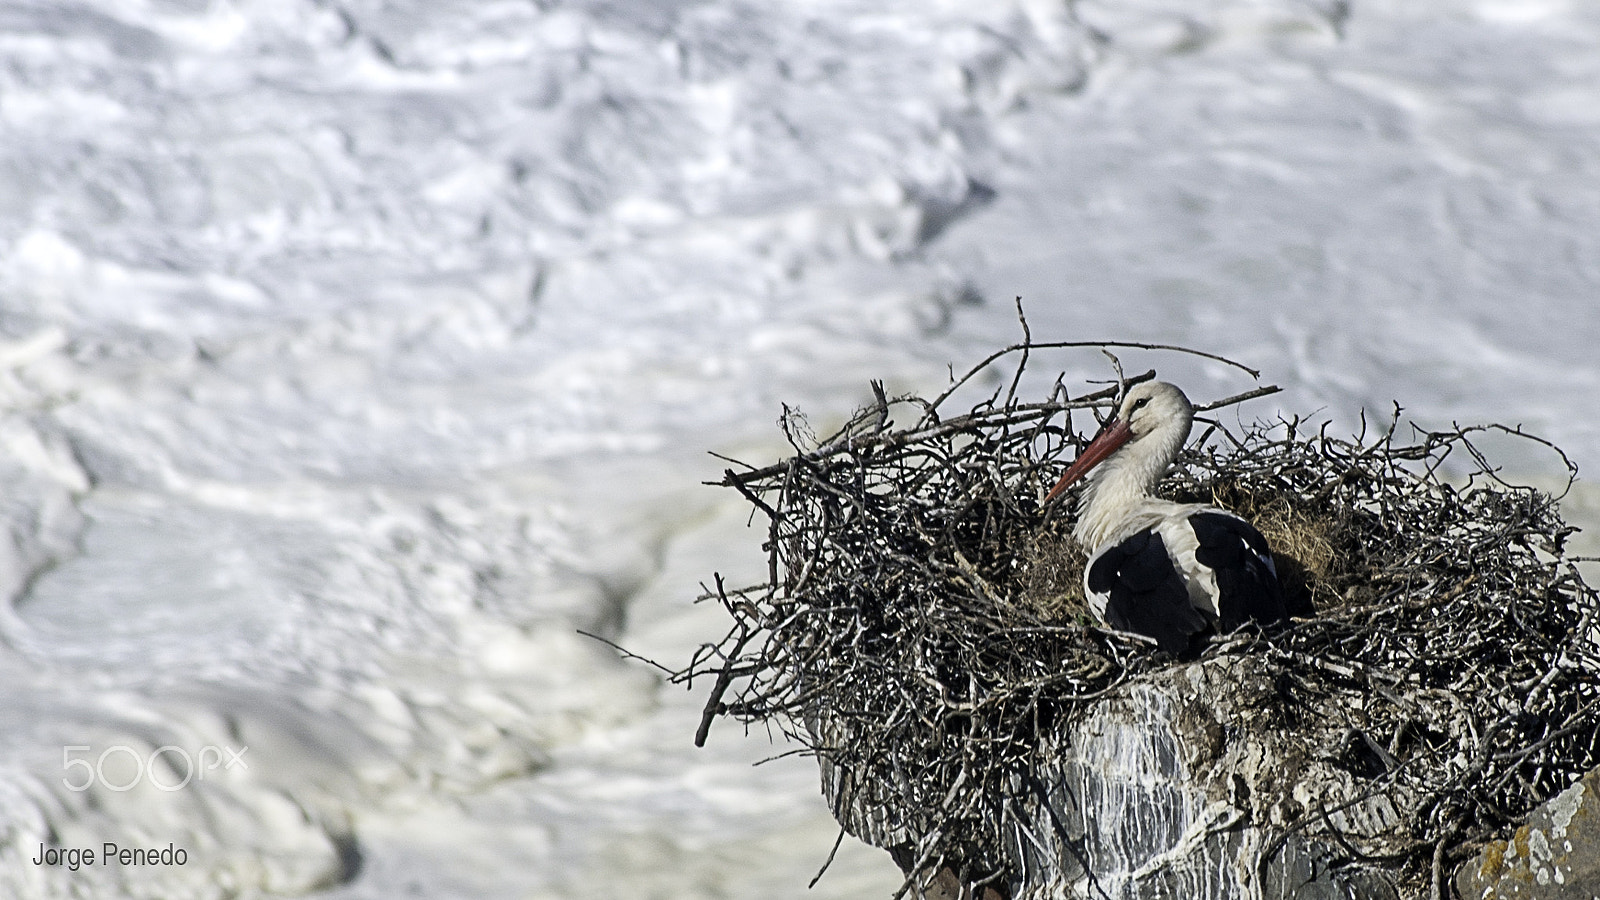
column 355, row 355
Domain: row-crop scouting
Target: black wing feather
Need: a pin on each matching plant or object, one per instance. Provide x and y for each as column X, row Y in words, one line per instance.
column 1145, row 592
column 1247, row 583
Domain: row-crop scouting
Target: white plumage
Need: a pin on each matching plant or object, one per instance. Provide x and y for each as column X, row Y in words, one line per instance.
column 1166, row 570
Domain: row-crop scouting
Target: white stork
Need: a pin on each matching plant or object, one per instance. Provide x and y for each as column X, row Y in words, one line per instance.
column 1162, row 569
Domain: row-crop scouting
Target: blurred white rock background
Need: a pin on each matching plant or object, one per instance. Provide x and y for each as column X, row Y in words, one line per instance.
column 354, row 354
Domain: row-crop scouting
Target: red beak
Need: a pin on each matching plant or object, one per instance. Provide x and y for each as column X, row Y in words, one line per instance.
column 1113, row 436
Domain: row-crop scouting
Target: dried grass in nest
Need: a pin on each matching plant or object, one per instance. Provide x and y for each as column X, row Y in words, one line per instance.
column 923, row 632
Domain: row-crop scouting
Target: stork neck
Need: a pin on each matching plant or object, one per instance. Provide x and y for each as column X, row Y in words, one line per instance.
column 1122, row 486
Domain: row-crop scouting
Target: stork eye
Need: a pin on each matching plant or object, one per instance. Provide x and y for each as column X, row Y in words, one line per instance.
column 1139, row 404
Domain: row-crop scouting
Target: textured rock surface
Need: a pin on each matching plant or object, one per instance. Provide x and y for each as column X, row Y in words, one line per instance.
column 1180, row 787
column 1555, row 855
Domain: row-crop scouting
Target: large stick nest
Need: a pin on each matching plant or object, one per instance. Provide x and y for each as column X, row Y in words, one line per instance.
column 922, row 629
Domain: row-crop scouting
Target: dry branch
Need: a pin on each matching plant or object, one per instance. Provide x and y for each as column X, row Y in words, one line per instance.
column 920, row 634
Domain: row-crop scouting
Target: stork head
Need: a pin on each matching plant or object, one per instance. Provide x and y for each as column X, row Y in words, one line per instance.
column 1153, row 422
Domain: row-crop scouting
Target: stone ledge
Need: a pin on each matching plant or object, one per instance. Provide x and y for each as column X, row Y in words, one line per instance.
column 1555, row 855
